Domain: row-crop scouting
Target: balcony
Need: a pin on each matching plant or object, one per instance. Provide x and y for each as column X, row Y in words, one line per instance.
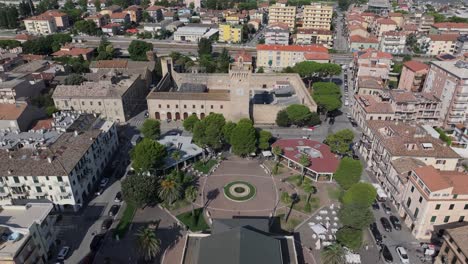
column 2, row 194
column 62, row 183
column 16, row 184
column 18, row 194
column 38, row 184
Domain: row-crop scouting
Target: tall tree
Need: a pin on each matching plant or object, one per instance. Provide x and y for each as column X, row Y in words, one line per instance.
column 333, row 254
column 191, row 194
column 277, row 151
column 151, row 129
column 148, row 243
column 169, row 190
column 140, row 189
column 305, row 162
column 205, row 47
column 148, row 154
column 138, row 49
column 361, row 193
column 243, row 138
column 282, row 118
column 227, row 131
column 264, row 140
column 209, row 131
column 190, row 122
column 340, row 142
column 176, row 156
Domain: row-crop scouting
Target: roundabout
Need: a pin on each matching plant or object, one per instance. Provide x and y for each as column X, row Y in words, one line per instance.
column 239, row 191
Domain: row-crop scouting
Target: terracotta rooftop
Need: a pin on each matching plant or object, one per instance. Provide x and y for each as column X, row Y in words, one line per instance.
column 395, row 14
column 72, row 51
column 54, row 13
column 244, row 55
column 154, row 8
column 370, row 82
column 437, row 180
column 111, row 25
column 41, row 17
column 118, row 15
column 11, row 111
column 416, row 66
column 460, row 236
column 450, row 25
column 316, row 56
column 25, row 37
column 406, row 140
column 107, row 64
column 371, row 106
column 360, row 39
column 356, row 27
column 322, row 159
column 372, row 53
column 444, row 37
column 386, row 21
column 296, row 48
column 133, row 8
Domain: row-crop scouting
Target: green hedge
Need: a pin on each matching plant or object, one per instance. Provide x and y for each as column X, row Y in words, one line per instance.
column 125, row 221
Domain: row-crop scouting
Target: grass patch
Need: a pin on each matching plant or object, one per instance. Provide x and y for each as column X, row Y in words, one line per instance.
column 176, row 205
column 194, row 222
column 125, row 221
column 296, row 180
column 204, row 167
column 303, row 206
column 229, row 195
column 334, row 193
column 291, row 224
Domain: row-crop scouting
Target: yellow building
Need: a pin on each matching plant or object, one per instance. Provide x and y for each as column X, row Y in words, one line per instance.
column 42, row 24
column 280, row 13
column 230, row 33
column 317, row 16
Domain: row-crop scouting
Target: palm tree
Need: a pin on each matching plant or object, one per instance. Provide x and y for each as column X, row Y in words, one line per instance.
column 305, row 162
column 309, row 189
column 277, row 151
column 333, row 254
column 169, row 190
column 191, row 194
column 148, row 242
column 176, row 155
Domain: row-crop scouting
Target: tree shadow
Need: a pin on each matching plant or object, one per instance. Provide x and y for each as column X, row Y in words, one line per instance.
column 210, row 196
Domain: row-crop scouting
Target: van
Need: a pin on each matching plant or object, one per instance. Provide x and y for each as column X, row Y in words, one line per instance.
column 135, row 139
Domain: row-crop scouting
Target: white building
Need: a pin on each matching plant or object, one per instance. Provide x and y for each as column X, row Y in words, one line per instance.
column 28, row 233
column 193, row 33
column 59, row 161
column 393, row 42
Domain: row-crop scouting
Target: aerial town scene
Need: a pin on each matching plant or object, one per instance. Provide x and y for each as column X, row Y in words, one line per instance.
column 233, row 131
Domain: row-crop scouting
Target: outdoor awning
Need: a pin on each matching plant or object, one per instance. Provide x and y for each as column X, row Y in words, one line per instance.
column 267, row 153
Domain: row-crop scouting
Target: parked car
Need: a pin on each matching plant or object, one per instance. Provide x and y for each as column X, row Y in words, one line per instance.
column 395, row 222
column 401, row 251
column 106, row 224
column 118, row 197
column 386, row 208
column 63, row 253
column 104, row 182
column 376, row 233
column 375, row 205
column 386, row 224
column 386, row 254
column 135, row 139
column 114, row 209
column 96, row 242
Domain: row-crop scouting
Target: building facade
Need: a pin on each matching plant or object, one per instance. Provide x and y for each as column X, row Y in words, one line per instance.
column 281, row 13
column 41, row 24
column 277, row 34
column 454, row 249
column 314, row 36
column 412, row 76
column 279, row 57
column 393, row 42
column 317, row 16
column 230, row 33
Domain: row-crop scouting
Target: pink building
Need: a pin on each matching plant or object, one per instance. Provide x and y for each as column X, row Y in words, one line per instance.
column 413, row 76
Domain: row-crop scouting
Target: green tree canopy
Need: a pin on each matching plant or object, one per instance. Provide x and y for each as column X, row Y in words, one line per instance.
column 138, row 49
column 105, row 50
column 264, row 139
column 349, row 237
column 9, row 44
column 360, row 194
column 74, row 79
column 327, row 95
column 348, row 173
column 140, row 189
column 298, row 113
column 340, row 141
column 333, row 254
column 209, row 131
column 227, row 131
column 356, row 216
column 151, row 129
column 86, row 27
column 282, row 119
column 243, row 138
column 190, row 122
column 148, row 154
column 205, row 47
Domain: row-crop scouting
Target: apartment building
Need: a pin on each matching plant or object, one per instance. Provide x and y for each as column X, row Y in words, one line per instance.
column 71, row 51
column 411, row 107
column 120, row 18
column 308, row 36
column 448, row 81
column 357, row 42
column 372, row 63
column 368, row 107
column 18, row 116
column 398, row 18
column 41, row 24
column 317, row 16
column 237, row 94
column 98, row 19
column 432, row 198
column 382, row 25
column 114, row 96
column 357, row 30
column 135, row 12
column 277, row 34
column 279, row 57
column 455, row 246
column 422, row 21
column 413, row 75
column 15, row 86
column 449, row 27
column 393, row 42
column 281, row 13
column 28, row 233
column 61, row 19
column 441, row 44
column 230, row 33
column 385, row 141
column 59, row 161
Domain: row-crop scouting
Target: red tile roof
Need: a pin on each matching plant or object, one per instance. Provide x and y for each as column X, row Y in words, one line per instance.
column 444, row 37
column 244, row 55
column 360, row 39
column 72, row 51
column 450, row 25
column 416, row 65
column 54, row 13
column 316, row 56
column 25, row 37
column 118, row 15
column 393, row 14
column 298, row 48
column 154, row 8
column 437, row 180
column 11, row 111
column 386, row 21
column 111, row 25
column 324, row 162
column 372, row 106
column 41, row 17
column 43, row 124
column 372, row 53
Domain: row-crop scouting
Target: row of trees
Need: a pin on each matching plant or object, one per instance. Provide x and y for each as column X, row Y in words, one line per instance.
column 327, row 95
column 208, row 60
column 45, row 45
column 9, row 44
column 8, row 16
column 340, row 142
column 298, row 115
column 138, row 50
column 311, row 69
column 214, row 132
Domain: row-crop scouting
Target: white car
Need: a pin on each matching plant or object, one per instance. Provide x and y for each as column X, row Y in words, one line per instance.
column 104, row 182
column 403, row 255
column 63, row 253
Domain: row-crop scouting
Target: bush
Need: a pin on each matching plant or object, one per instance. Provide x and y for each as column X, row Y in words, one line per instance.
column 443, row 136
column 355, row 216
column 285, row 198
column 350, row 238
column 282, row 119
column 194, row 222
column 360, row 194
column 348, row 173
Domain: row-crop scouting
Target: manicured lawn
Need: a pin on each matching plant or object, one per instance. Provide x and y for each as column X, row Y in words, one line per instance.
column 228, row 194
column 296, row 180
column 196, row 223
column 204, row 167
column 176, row 205
column 125, row 221
column 334, row 193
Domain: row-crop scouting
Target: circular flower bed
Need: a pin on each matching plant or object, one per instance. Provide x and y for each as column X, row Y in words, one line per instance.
column 239, row 191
